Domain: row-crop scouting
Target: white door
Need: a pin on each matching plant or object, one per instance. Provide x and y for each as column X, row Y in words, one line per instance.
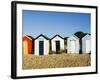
column 72, row 46
column 88, row 46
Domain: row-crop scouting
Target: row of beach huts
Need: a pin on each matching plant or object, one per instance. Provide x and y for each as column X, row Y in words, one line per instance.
column 43, row 45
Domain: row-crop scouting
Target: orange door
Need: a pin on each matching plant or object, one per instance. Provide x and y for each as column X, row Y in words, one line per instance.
column 25, row 47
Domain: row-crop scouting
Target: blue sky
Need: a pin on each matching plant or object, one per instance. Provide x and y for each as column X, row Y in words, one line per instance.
column 52, row 23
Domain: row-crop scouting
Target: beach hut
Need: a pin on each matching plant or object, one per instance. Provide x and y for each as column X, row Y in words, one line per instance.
column 57, row 43
column 41, row 45
column 28, row 44
column 73, row 44
column 86, row 44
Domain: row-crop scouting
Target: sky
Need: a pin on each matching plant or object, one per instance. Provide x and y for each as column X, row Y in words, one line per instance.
column 51, row 23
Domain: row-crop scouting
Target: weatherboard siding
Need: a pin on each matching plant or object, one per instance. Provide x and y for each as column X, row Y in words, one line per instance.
column 53, row 43
column 86, row 44
column 27, row 45
column 73, row 44
column 46, row 46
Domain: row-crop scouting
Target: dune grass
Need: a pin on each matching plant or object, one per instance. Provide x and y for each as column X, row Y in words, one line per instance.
column 56, row 61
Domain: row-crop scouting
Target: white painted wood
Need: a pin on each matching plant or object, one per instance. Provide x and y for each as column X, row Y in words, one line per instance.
column 46, row 45
column 86, row 44
column 53, row 43
column 73, row 44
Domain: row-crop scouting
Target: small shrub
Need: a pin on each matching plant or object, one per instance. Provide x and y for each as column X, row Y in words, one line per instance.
column 58, row 52
column 89, row 53
column 52, row 52
column 61, row 51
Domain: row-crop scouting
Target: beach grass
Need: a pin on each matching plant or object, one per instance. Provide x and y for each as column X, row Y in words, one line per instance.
column 31, row 61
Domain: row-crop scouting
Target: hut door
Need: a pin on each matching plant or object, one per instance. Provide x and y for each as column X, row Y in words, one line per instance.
column 88, row 44
column 41, row 47
column 73, row 46
column 25, row 47
column 57, row 46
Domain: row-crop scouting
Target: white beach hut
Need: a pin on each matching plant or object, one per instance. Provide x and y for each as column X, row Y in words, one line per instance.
column 41, row 45
column 73, row 44
column 57, row 43
column 86, row 44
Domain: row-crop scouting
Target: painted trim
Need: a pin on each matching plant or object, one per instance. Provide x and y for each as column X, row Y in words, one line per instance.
column 42, row 36
column 56, row 36
column 28, row 37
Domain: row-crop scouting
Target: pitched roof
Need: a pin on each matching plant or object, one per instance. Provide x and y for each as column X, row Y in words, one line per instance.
column 58, row 36
column 65, row 38
column 29, row 37
column 42, row 36
column 73, row 36
column 87, row 34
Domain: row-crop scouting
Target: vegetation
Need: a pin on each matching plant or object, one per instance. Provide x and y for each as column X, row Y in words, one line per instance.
column 59, row 52
column 56, row 61
column 52, row 52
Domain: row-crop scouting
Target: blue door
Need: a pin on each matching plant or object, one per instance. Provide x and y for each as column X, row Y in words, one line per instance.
column 41, row 47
